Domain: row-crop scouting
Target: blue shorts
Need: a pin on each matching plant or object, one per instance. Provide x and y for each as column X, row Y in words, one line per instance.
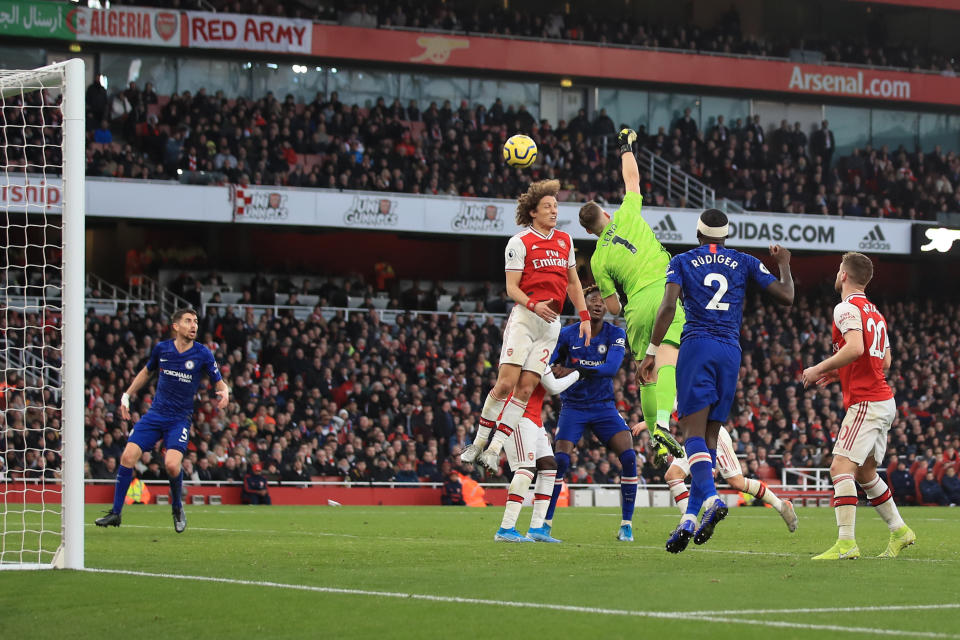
column 707, row 374
column 152, row 428
column 605, row 422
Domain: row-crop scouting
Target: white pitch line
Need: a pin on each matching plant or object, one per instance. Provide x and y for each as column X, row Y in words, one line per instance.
column 892, row 607
column 670, row 615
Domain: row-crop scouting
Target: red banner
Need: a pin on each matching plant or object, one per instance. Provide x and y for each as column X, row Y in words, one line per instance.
column 127, row 25
column 252, row 33
column 615, row 63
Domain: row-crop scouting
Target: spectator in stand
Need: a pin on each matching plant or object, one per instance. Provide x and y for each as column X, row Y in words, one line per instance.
column 951, row 485
column 406, row 473
column 102, row 134
column 452, row 493
column 902, row 483
column 255, row 488
column 931, row 492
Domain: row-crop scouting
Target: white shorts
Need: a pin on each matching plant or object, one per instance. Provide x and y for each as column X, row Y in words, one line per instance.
column 527, row 444
column 529, row 340
column 727, row 462
column 864, row 430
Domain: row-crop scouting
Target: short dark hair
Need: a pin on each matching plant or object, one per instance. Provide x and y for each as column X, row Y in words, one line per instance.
column 590, row 289
column 859, row 267
column 589, row 215
column 713, row 218
column 179, row 313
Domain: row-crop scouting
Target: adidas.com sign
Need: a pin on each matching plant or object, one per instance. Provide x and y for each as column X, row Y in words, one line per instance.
column 666, row 230
column 874, row 240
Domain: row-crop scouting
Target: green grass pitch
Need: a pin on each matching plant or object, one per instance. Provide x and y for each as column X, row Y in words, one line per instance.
column 432, row 572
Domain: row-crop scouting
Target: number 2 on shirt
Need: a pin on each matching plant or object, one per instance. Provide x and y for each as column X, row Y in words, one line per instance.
column 722, row 286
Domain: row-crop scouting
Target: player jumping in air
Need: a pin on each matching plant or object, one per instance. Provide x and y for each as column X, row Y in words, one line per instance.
column 181, row 363
column 540, row 273
column 860, row 362
column 729, row 468
column 529, row 442
column 713, row 280
column 590, row 403
column 629, row 256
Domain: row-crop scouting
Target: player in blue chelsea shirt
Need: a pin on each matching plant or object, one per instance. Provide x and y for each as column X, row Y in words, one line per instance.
column 589, row 403
column 713, row 280
column 181, row 363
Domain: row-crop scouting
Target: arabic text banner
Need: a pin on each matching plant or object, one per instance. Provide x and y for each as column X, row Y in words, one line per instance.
column 35, row 19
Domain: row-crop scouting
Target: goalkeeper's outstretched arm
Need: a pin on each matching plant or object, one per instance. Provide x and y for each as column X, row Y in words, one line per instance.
column 628, row 161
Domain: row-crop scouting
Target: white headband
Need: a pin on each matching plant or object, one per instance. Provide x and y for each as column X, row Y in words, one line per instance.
column 713, row 232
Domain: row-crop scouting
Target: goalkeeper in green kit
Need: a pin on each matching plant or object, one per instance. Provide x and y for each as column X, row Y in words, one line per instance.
column 629, row 256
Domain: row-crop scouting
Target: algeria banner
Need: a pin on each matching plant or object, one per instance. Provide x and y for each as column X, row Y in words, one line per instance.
column 127, row 25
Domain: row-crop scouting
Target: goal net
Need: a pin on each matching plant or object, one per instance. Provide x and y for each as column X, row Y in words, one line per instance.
column 42, row 163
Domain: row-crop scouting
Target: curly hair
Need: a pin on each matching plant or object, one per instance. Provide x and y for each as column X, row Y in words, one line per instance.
column 528, row 202
column 590, row 288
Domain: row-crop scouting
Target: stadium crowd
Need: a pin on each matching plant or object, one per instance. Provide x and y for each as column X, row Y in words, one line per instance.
column 454, row 149
column 868, row 45
column 353, row 397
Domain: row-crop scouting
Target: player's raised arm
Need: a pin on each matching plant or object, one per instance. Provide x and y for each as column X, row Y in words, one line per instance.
column 628, row 161
column 782, row 289
column 142, row 377
column 575, row 291
column 668, row 307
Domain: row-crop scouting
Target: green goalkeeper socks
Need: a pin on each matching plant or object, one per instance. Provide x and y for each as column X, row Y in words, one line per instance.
column 648, row 403
column 666, row 394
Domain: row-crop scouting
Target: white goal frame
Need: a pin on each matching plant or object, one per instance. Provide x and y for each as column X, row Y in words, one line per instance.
column 70, row 77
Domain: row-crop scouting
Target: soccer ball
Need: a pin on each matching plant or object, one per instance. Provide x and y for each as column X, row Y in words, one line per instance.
column 520, row 151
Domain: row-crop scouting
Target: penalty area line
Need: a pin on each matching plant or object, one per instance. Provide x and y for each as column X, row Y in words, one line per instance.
column 667, row 615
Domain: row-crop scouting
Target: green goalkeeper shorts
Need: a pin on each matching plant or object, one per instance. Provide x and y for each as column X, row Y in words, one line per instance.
column 641, row 313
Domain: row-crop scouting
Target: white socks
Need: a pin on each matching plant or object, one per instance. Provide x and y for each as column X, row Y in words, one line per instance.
column 517, row 490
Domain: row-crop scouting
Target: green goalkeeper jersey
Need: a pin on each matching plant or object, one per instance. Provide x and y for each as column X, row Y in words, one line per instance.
column 628, row 254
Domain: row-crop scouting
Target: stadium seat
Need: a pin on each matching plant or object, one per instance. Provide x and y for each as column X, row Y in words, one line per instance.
column 939, row 468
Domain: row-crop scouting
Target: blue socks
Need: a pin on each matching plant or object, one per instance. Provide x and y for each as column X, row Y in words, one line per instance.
column 124, row 477
column 563, row 465
column 702, row 486
column 628, row 483
column 176, row 491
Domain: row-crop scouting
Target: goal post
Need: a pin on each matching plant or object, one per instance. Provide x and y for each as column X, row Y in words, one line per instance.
column 42, row 299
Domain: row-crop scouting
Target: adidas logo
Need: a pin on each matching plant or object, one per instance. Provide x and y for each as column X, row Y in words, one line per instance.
column 666, row 230
column 874, row 240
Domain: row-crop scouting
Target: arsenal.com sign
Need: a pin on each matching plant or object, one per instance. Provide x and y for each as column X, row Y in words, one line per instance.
column 127, row 25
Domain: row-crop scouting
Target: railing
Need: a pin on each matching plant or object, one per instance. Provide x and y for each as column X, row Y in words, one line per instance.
column 729, row 206
column 142, row 287
column 107, row 290
column 675, row 182
column 387, row 316
column 809, row 478
column 37, row 373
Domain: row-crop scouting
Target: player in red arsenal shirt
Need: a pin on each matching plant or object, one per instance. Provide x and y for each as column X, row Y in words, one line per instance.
column 540, row 272
column 860, row 362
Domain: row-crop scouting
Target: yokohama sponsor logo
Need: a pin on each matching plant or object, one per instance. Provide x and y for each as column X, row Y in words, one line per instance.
column 849, row 83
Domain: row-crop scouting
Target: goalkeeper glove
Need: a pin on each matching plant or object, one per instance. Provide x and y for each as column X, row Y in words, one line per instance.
column 625, row 139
